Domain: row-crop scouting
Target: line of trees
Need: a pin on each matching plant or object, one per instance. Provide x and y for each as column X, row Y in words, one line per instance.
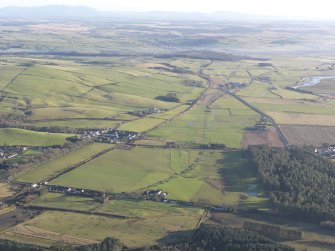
column 50, row 129
column 216, row 237
column 274, row 232
column 207, row 237
column 109, row 244
column 30, row 161
column 19, row 121
column 299, row 182
column 170, row 97
column 210, row 237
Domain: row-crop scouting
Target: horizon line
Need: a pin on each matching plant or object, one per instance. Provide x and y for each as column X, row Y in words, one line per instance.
column 260, row 16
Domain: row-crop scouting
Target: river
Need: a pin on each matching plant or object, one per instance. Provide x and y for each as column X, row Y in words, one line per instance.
column 312, row 81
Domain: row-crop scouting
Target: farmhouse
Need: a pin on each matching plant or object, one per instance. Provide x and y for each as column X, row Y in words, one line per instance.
column 264, row 79
column 115, row 136
column 143, row 113
column 258, row 127
column 326, row 151
column 236, row 85
column 10, row 152
column 190, row 102
column 193, row 83
column 110, row 135
column 156, row 195
column 232, row 85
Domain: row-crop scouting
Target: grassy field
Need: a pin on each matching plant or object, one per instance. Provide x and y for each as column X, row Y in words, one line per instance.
column 179, row 160
column 91, row 91
column 13, row 136
column 121, row 170
column 287, row 94
column 144, row 209
column 53, row 166
column 241, row 178
column 189, row 175
column 4, row 190
column 257, row 89
column 82, row 123
column 8, row 72
column 170, row 114
column 141, row 125
column 166, row 224
column 145, row 124
column 56, row 200
column 224, row 123
column 297, row 107
column 82, row 91
column 6, row 210
column 216, row 178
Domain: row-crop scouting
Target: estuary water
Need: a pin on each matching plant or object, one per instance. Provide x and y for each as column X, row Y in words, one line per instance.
column 312, row 81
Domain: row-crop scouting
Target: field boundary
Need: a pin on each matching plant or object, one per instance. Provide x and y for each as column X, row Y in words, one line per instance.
column 279, row 131
column 2, row 98
column 48, row 235
column 79, row 164
column 44, row 208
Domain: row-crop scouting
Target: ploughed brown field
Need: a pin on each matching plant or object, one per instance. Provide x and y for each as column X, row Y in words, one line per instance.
column 309, row 135
column 267, row 137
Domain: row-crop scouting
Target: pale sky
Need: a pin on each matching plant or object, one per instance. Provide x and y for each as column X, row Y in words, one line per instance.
column 314, row 9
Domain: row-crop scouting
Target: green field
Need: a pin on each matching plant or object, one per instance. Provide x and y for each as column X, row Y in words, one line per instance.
column 4, row 190
column 92, row 92
column 141, row 125
column 146, row 124
column 82, row 123
column 56, row 200
column 121, row 170
column 166, row 223
column 216, row 178
column 189, row 175
column 145, row 209
column 13, row 136
column 51, row 167
column 223, row 123
column 76, row 74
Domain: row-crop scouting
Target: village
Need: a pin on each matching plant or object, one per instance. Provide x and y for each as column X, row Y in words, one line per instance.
column 110, row 136
column 262, row 125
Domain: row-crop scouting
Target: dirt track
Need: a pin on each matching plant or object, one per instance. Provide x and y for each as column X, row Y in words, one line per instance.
column 48, row 235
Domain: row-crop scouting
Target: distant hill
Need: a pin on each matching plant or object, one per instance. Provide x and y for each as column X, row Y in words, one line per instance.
column 62, row 11
column 49, row 11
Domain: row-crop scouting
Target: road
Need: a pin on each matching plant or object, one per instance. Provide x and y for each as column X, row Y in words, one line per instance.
column 30, row 190
column 195, row 102
column 279, row 131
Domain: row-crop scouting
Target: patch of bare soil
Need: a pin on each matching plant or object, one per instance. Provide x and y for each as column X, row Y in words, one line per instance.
column 257, row 137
